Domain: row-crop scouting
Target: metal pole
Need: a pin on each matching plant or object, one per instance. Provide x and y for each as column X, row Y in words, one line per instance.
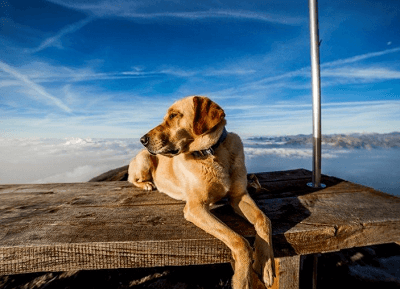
column 316, row 92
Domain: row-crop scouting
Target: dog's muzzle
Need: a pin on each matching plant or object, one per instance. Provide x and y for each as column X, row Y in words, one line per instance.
column 145, row 140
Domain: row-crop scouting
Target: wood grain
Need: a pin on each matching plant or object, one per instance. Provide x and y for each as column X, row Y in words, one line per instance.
column 99, row 225
column 287, row 273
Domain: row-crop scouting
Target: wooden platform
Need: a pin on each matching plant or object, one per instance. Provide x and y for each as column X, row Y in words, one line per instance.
column 105, row 225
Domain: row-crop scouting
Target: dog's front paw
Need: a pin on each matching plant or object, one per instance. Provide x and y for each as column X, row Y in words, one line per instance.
column 268, row 273
column 147, row 186
column 264, row 264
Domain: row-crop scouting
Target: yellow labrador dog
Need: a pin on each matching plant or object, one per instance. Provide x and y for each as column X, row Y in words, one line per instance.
column 190, row 156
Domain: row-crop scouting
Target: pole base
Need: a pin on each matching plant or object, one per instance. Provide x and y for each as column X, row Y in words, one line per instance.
column 312, row 185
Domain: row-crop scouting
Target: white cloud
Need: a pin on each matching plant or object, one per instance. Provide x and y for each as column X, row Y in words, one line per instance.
column 377, row 73
column 237, row 71
column 213, row 13
column 289, row 152
column 36, row 160
column 6, row 83
column 40, row 91
column 189, row 73
column 78, row 174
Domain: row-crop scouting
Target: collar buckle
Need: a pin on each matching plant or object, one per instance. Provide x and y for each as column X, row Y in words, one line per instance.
column 211, row 151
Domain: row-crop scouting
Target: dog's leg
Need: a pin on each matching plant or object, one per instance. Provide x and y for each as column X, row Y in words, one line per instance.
column 139, row 172
column 198, row 213
column 264, row 264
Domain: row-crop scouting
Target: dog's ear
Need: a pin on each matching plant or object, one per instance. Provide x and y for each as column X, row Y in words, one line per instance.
column 207, row 114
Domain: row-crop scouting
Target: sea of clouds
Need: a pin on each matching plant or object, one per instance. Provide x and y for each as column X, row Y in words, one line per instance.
column 62, row 160
column 369, row 159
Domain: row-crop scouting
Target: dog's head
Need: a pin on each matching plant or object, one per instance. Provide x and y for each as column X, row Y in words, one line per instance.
column 191, row 124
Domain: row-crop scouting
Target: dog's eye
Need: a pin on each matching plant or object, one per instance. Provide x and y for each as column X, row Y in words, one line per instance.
column 172, row 115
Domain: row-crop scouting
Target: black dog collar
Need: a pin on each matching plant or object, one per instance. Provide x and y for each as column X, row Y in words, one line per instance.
column 211, row 150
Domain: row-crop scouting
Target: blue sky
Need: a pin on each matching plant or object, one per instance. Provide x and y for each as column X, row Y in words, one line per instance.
column 72, row 68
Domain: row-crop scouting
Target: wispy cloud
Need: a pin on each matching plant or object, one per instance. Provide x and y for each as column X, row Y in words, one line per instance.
column 173, row 71
column 42, row 72
column 165, row 71
column 362, row 73
column 237, row 14
column 130, row 9
column 333, row 73
column 305, row 71
column 32, row 85
column 360, row 57
column 54, row 40
column 6, row 83
column 219, row 72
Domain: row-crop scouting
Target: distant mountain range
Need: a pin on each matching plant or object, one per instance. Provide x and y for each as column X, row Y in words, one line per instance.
column 350, row 141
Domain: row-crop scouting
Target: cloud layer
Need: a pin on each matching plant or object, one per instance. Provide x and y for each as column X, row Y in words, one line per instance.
column 38, row 160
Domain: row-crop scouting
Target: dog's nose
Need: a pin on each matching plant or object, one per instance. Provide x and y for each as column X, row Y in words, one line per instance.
column 144, row 140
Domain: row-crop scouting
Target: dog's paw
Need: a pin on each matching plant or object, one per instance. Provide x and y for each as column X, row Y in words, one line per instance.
column 264, row 264
column 269, row 273
column 256, row 282
column 147, row 186
column 266, row 272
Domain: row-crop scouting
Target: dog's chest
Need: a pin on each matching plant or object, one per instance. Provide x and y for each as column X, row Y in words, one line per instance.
column 207, row 177
column 211, row 176
column 215, row 172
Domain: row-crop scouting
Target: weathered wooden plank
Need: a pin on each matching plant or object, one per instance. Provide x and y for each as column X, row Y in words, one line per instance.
column 287, row 273
column 111, row 255
column 86, row 194
column 84, row 221
column 40, row 223
column 342, row 220
column 73, row 215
